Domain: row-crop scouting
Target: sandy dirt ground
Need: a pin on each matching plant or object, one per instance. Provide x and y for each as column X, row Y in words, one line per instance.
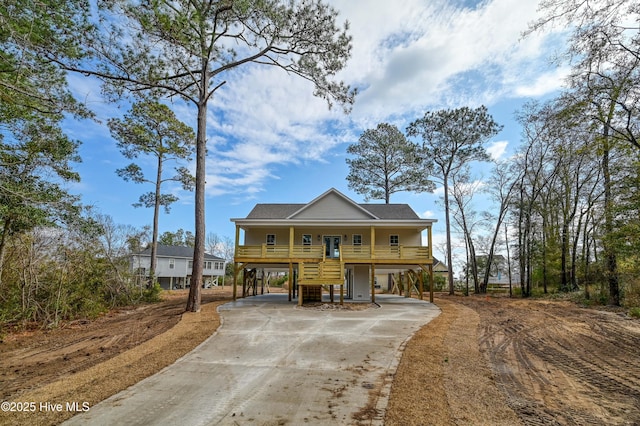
column 500, row 361
column 493, row 361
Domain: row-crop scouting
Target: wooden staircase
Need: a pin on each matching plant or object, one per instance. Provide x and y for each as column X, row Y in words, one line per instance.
column 312, row 276
column 331, row 271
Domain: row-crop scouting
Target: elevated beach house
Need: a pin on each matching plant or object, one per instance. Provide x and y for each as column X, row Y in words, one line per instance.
column 333, row 242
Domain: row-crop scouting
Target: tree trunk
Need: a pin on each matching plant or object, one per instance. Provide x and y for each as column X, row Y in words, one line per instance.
column 193, row 302
column 564, row 257
column 610, row 254
column 521, row 245
column 528, row 255
column 492, row 247
column 586, row 248
column 3, row 244
column 574, row 252
column 448, row 231
column 474, row 267
column 156, row 214
column 466, row 274
column 506, row 243
column 545, row 269
column 387, row 190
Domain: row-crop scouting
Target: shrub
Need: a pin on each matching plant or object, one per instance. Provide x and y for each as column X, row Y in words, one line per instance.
column 635, row 312
column 152, row 294
column 280, row 281
column 439, row 282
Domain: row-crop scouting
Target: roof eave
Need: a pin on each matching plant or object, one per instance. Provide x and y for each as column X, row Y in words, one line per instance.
column 342, row 223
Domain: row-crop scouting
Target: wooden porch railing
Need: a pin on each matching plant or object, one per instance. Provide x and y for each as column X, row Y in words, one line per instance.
column 401, row 252
column 347, row 252
column 265, row 251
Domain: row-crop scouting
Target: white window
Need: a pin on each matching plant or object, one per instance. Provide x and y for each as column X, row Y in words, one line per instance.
column 207, row 264
column 190, row 264
column 357, row 239
column 394, row 240
column 172, row 263
column 271, row 239
column 306, row 239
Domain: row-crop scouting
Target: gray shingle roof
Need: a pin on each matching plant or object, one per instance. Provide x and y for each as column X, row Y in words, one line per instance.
column 274, row 211
column 382, row 211
column 391, row 211
column 176, row 251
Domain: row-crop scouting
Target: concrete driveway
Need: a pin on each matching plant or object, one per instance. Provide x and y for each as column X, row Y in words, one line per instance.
column 273, row 363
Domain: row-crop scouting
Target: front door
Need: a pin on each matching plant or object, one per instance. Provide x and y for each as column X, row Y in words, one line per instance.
column 332, row 246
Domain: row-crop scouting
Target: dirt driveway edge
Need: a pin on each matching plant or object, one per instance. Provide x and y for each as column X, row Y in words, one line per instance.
column 440, row 367
column 118, row 373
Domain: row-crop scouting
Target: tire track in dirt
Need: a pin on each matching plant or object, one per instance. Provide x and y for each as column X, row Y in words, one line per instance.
column 606, row 371
column 560, row 364
column 502, row 344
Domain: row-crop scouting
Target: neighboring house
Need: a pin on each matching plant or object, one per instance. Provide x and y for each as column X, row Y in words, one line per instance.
column 499, row 271
column 333, row 241
column 174, row 265
column 440, row 268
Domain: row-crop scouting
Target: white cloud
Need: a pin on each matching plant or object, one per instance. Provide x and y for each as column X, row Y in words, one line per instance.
column 405, row 59
column 263, row 120
column 412, row 57
column 429, row 214
column 497, row 149
column 543, row 84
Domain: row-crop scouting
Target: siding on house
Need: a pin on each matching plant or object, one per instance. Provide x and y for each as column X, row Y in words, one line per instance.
column 174, row 266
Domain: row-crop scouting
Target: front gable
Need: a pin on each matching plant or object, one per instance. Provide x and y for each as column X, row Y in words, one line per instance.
column 332, row 205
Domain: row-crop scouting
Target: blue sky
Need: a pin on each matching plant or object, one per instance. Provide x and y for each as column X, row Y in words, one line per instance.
column 270, row 140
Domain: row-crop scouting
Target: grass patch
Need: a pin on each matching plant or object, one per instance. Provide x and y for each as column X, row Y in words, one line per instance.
column 634, row 312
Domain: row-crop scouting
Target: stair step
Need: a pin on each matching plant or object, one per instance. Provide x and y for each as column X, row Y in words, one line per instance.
column 329, row 272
